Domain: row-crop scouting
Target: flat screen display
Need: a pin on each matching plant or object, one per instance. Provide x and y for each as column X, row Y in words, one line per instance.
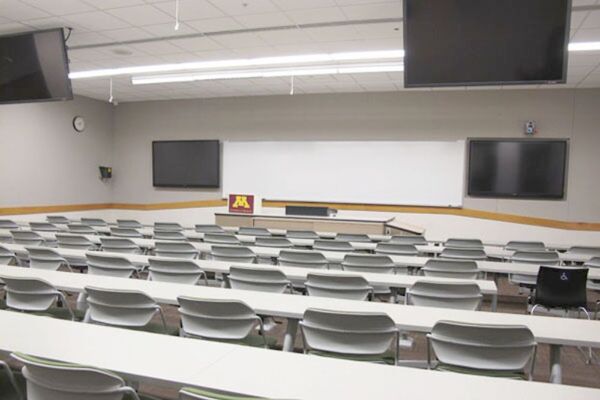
column 34, row 67
column 485, row 42
column 532, row 169
column 187, row 163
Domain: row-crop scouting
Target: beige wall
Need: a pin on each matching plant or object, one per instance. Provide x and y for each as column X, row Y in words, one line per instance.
column 414, row 115
column 43, row 161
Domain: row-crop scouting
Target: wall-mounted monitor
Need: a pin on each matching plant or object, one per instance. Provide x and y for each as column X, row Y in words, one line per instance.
column 513, row 168
column 485, row 42
column 186, row 163
column 34, row 67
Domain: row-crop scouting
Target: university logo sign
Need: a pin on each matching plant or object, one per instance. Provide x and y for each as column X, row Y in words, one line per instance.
column 241, row 203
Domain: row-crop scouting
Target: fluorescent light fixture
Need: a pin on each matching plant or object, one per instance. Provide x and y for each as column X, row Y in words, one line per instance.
column 269, row 73
column 244, row 62
column 584, row 46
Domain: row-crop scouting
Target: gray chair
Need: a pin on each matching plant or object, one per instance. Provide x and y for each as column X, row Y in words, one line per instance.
column 332, row 245
column 294, row 234
column 176, row 249
column 520, row 245
column 121, row 232
column 7, row 257
column 229, row 321
column 278, row 242
column 57, row 219
column 221, row 238
column 396, row 249
column 593, row 284
column 81, row 229
column 8, row 224
column 12, row 383
column 175, row 271
column 463, row 254
column 439, row 268
column 77, row 242
column 6, row 237
column 247, row 231
column 531, row 257
column 129, row 223
column 109, row 265
column 93, row 221
column 120, row 245
column 190, row 393
column 357, row 336
column 124, row 308
column 370, row 263
column 233, row 254
column 35, row 296
column 209, row 228
column 349, row 287
column 168, row 226
column 168, row 235
column 27, row 238
column 454, row 243
column 353, row 237
column 461, row 296
column 492, row 350
column 269, row 280
column 584, row 252
column 53, row 380
column 409, row 240
column 46, row 258
column 302, row 259
column 43, row 227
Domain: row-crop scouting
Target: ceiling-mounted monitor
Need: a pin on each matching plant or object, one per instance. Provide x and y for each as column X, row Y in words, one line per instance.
column 485, row 42
column 34, row 67
column 186, row 163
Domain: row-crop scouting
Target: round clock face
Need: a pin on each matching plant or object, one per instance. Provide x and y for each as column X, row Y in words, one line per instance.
column 79, row 123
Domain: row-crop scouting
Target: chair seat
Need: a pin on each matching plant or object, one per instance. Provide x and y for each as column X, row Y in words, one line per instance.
column 6, row 388
column 481, row 372
column 218, row 395
column 385, row 358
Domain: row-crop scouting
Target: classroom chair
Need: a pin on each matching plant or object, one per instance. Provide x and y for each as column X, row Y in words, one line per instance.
column 43, row 227
column 408, row 240
column 349, row 287
column 502, row 351
column 57, row 219
column 167, row 226
column 531, row 257
column 8, row 224
column 221, row 238
column 177, row 249
column 188, row 393
column 454, row 243
column 168, row 235
column 594, row 284
column 129, row 223
column 436, row 267
column 7, row 257
column 463, row 254
column 302, row 259
column 295, row 234
column 584, row 251
column 94, row 222
column 396, row 249
column 259, row 279
column 119, row 245
column 249, row 231
column 175, row 271
column 46, row 258
column 233, row 254
column 12, row 383
column 209, row 228
column 560, row 288
column 360, row 336
column 27, row 238
column 332, row 245
column 77, row 242
column 520, row 245
column 376, row 263
column 36, row 296
column 278, row 242
column 109, row 265
column 353, row 237
column 460, row 296
column 81, row 229
column 5, row 237
column 123, row 232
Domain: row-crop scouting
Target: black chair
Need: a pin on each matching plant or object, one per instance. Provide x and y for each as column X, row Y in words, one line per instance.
column 561, row 288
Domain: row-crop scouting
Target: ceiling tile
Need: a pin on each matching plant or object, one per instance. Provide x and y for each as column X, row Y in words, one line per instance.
column 316, row 15
column 237, row 7
column 587, row 35
column 142, row 15
column 96, row 21
column 18, row 11
column 163, row 30
column 263, row 20
column 285, row 36
column 191, row 9
column 60, row 7
column 127, row 34
column 157, row 48
column 14, row 27
column 372, row 11
column 215, row 24
column 592, row 21
column 239, row 40
column 302, row 4
column 108, row 4
column 85, row 38
column 195, row 44
column 47, row 23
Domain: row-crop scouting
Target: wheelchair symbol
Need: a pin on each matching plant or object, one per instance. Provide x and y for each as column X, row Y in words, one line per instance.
column 564, row 277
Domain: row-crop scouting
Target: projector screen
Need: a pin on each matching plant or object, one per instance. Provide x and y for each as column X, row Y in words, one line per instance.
column 371, row 172
column 186, row 163
column 485, row 42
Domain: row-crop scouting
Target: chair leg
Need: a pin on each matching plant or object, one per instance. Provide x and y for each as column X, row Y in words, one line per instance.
column 590, row 354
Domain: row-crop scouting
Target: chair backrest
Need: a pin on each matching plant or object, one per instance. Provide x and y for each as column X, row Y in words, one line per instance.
column 279, row 242
column 93, row 221
column 584, row 251
column 119, row 245
column 302, row 259
column 5, row 237
column 8, row 224
column 168, row 235
column 294, row 234
column 52, row 380
column 27, row 238
column 561, row 287
column 45, row 258
column 436, row 267
column 43, row 227
column 353, row 333
column 118, row 231
column 57, row 219
column 108, row 265
column 78, row 242
column 29, row 294
column 483, row 347
column 221, row 238
column 593, row 262
column 249, row 231
column 216, row 319
column 332, row 245
column 536, row 257
column 174, row 271
column 188, row 393
column 454, row 243
column 232, row 253
column 353, row 237
column 410, row 240
column 377, row 263
column 520, row 245
column 463, row 254
column 129, row 223
column 349, row 287
column 176, row 249
column 81, row 229
column 119, row 307
column 7, row 257
column 209, row 228
column 258, row 279
column 462, row 296
column 167, row 226
column 396, row 249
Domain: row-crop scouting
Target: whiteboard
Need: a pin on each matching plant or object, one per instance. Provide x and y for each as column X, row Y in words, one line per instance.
column 373, row 172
